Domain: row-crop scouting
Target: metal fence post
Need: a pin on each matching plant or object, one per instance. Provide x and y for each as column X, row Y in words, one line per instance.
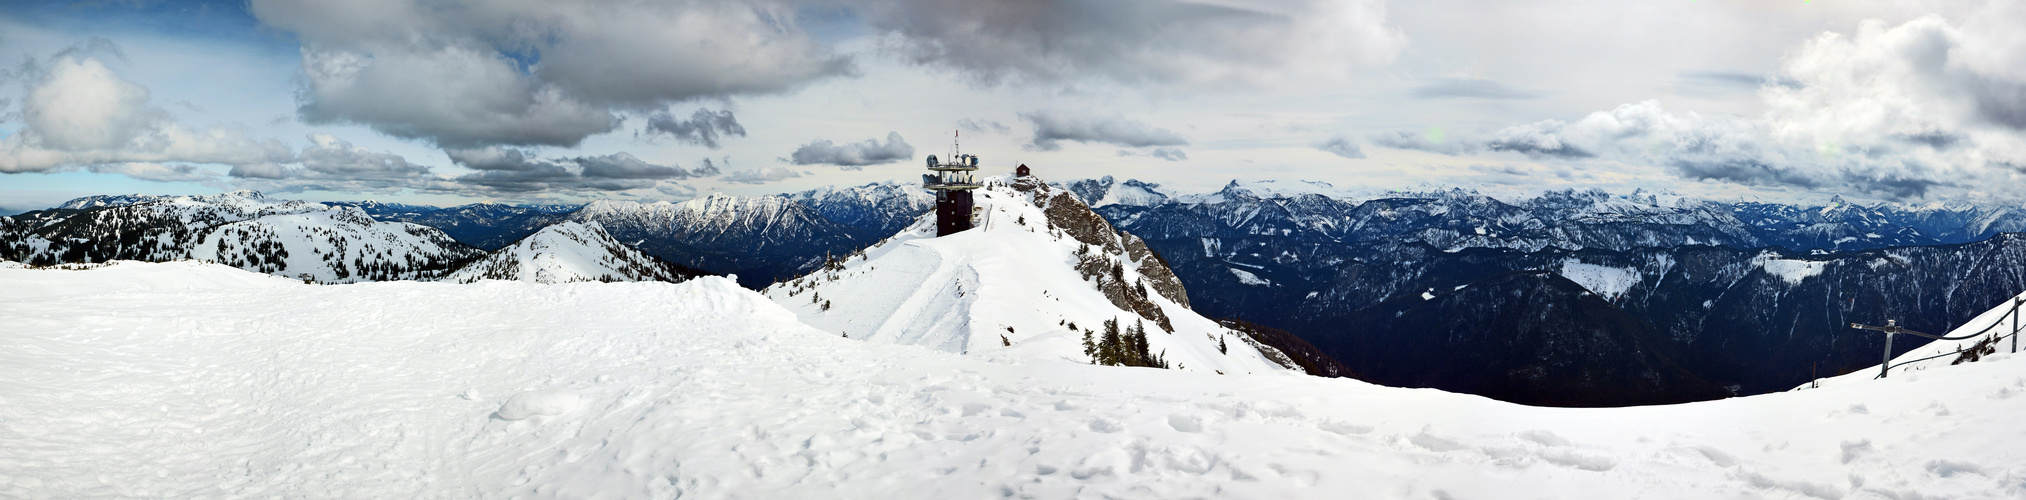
column 1886, row 366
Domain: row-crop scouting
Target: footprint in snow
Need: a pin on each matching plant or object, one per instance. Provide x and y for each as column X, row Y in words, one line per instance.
column 537, row 403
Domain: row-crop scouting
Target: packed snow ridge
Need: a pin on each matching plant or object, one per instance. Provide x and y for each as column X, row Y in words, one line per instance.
column 187, row 379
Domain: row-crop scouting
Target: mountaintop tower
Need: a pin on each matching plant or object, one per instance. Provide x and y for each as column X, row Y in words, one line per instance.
column 952, row 182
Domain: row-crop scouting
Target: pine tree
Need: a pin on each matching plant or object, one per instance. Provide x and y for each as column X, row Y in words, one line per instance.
column 1138, row 334
column 1089, row 347
column 1110, row 349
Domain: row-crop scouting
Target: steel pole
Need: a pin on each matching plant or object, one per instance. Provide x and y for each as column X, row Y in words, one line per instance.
column 2015, row 323
column 1886, row 366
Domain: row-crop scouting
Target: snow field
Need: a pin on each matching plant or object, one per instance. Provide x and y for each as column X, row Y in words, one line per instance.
column 1790, row 271
column 1605, row 281
column 196, row 380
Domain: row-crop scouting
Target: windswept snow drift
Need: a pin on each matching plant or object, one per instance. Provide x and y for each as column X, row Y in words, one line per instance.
column 189, row 380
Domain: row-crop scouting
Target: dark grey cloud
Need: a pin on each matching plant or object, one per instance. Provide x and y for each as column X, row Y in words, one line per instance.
column 1139, row 41
column 624, row 166
column 496, row 158
column 1536, row 140
column 702, row 128
column 1051, row 127
column 548, row 179
column 1170, row 154
column 1472, row 88
column 333, row 164
column 984, row 126
column 1721, row 83
column 1430, row 141
column 156, row 172
column 514, row 171
column 470, row 73
column 675, row 189
column 335, row 157
column 709, row 167
column 853, row 155
column 761, row 175
column 1341, row 146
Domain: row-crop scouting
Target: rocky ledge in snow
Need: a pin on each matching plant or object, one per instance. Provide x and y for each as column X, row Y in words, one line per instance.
column 187, row 380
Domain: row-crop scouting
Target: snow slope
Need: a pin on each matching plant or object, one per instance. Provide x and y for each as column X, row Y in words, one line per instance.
column 1018, row 278
column 1988, row 327
column 191, row 380
column 568, row 252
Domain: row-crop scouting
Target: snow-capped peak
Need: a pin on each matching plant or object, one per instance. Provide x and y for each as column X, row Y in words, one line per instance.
column 569, row 252
column 1037, row 272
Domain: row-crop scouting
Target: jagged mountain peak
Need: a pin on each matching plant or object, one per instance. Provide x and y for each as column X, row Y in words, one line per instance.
column 1037, row 271
column 569, row 252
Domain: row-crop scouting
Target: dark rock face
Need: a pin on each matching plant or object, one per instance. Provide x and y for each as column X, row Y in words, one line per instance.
column 1114, row 249
column 1299, row 351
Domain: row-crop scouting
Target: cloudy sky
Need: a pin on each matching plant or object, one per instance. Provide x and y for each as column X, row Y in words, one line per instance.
column 456, row 101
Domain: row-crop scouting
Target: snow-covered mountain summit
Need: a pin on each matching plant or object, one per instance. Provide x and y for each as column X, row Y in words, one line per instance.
column 297, row 239
column 569, row 252
column 1037, row 272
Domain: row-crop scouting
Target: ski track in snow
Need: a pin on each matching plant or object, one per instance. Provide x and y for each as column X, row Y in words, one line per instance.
column 194, row 380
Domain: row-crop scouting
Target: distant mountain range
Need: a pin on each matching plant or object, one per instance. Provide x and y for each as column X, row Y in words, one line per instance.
column 310, row 241
column 1578, row 297
column 1566, row 298
column 761, row 239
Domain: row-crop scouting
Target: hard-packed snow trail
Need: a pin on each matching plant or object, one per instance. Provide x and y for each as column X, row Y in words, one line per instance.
column 198, row 381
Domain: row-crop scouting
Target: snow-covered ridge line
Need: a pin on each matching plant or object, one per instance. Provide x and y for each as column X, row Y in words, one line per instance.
column 1038, row 272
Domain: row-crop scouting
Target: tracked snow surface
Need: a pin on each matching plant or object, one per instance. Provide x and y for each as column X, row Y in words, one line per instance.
column 1038, row 269
column 568, row 252
column 194, row 380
